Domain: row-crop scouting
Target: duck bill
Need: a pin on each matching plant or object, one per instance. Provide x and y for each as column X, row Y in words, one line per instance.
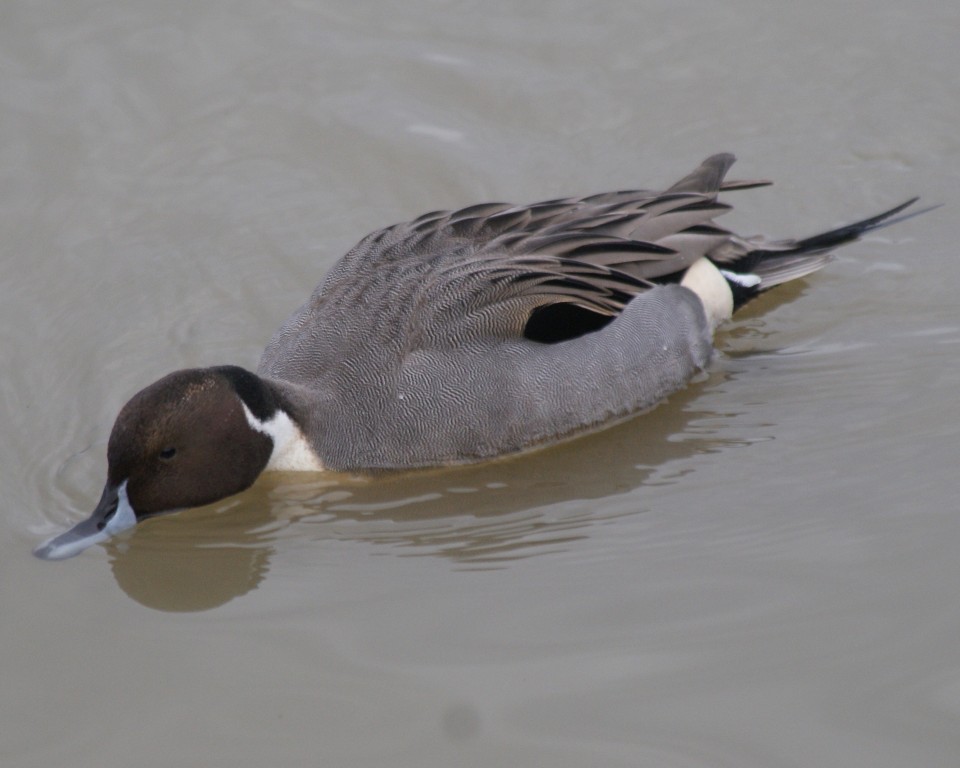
column 112, row 515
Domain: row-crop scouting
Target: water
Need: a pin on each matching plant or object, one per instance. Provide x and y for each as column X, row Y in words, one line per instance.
column 761, row 572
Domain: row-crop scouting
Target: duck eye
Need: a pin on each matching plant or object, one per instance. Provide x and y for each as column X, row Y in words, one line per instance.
column 168, row 453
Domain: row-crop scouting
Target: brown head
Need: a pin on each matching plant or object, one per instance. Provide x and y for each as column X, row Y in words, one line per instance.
column 189, row 439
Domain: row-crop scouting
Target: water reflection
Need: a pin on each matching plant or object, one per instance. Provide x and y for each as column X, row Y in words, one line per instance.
column 481, row 516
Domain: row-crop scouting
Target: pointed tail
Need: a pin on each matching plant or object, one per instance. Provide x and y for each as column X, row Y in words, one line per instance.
column 779, row 261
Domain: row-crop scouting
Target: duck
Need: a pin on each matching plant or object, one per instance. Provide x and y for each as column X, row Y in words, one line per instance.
column 460, row 336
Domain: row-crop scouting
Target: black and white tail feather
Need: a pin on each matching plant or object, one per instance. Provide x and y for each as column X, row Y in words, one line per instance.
column 754, row 265
column 780, row 261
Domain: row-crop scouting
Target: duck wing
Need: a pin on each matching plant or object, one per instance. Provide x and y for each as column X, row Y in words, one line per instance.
column 561, row 268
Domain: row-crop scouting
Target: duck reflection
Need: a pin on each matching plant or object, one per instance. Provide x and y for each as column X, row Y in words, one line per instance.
column 476, row 516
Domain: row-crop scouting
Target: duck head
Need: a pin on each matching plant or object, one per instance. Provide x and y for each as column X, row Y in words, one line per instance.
column 192, row 438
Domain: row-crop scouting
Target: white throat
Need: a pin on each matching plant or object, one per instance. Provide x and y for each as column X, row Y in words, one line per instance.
column 292, row 451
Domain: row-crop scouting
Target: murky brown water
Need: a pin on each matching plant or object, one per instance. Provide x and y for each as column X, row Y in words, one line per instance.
column 762, row 572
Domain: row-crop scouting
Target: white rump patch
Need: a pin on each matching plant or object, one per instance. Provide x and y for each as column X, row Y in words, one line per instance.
column 710, row 285
column 292, row 451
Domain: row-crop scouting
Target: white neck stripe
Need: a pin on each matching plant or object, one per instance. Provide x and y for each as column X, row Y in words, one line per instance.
column 291, row 450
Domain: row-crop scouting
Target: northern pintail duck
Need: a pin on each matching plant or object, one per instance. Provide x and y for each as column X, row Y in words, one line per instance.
column 458, row 337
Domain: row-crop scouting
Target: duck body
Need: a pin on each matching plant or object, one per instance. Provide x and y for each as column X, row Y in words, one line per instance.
column 449, row 400
column 458, row 337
